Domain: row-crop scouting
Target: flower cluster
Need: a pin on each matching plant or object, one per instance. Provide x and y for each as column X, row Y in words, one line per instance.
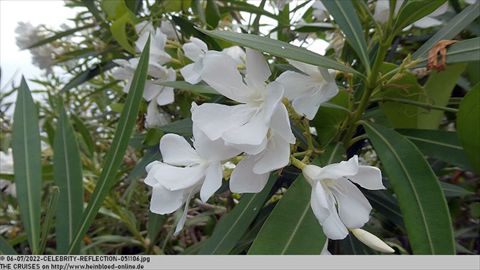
column 254, row 133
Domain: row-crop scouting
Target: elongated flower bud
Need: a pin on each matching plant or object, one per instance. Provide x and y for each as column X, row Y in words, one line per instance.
column 372, row 241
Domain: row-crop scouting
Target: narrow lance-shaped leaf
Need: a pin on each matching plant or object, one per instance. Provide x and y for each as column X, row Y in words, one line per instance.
column 346, row 17
column 280, row 48
column 420, row 197
column 233, row 225
column 460, row 52
column 292, row 228
column 6, row 248
column 438, row 90
column 450, row 29
column 413, row 10
column 67, row 169
column 120, row 141
column 468, row 120
column 438, row 144
column 27, row 163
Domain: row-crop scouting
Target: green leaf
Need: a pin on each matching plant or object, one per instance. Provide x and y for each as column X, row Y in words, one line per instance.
column 119, row 31
column 418, row 191
column 346, row 17
column 181, row 127
column 438, row 90
column 59, row 36
column 467, row 126
column 438, row 144
column 6, row 248
column 413, row 10
column 329, row 119
column 154, row 225
column 452, row 190
column 233, row 225
column 49, row 216
column 401, row 115
column 463, row 51
column 85, row 135
column 197, row 88
column 385, row 204
column 212, row 14
column 114, row 157
column 280, row 48
column 85, row 76
column 292, row 228
column 27, row 163
column 450, row 29
column 67, row 169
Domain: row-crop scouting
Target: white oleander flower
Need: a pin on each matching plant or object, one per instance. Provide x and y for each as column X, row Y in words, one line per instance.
column 186, row 170
column 251, row 174
column 382, row 10
column 246, row 125
column 309, row 90
column 197, row 50
column 156, row 117
column 471, row 2
column 163, row 95
column 158, row 40
column 372, row 241
column 336, row 202
column 168, row 29
column 320, row 12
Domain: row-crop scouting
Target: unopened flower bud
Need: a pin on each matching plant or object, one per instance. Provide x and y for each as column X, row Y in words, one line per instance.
column 372, row 241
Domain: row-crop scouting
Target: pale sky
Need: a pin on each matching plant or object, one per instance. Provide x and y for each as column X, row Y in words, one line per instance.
column 49, row 12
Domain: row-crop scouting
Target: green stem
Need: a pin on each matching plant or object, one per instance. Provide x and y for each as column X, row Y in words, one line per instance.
column 370, row 86
column 297, row 163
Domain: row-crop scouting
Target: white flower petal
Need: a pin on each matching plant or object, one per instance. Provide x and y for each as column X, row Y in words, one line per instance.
column 192, row 73
column 236, row 53
column 281, row 124
column 368, row 177
column 382, row 10
column 213, row 181
column 319, row 202
column 154, row 117
column 308, row 69
column 252, row 133
column 273, row 98
column 165, row 96
column 257, row 70
column 183, row 218
column 216, row 119
column 165, row 201
column 333, row 228
column 151, row 169
column 195, row 49
column 275, row 156
column 339, row 170
column 176, row 178
column 151, row 90
column 212, row 150
column 353, row 208
column 243, row 180
column 295, row 84
column 177, row 151
column 228, row 82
